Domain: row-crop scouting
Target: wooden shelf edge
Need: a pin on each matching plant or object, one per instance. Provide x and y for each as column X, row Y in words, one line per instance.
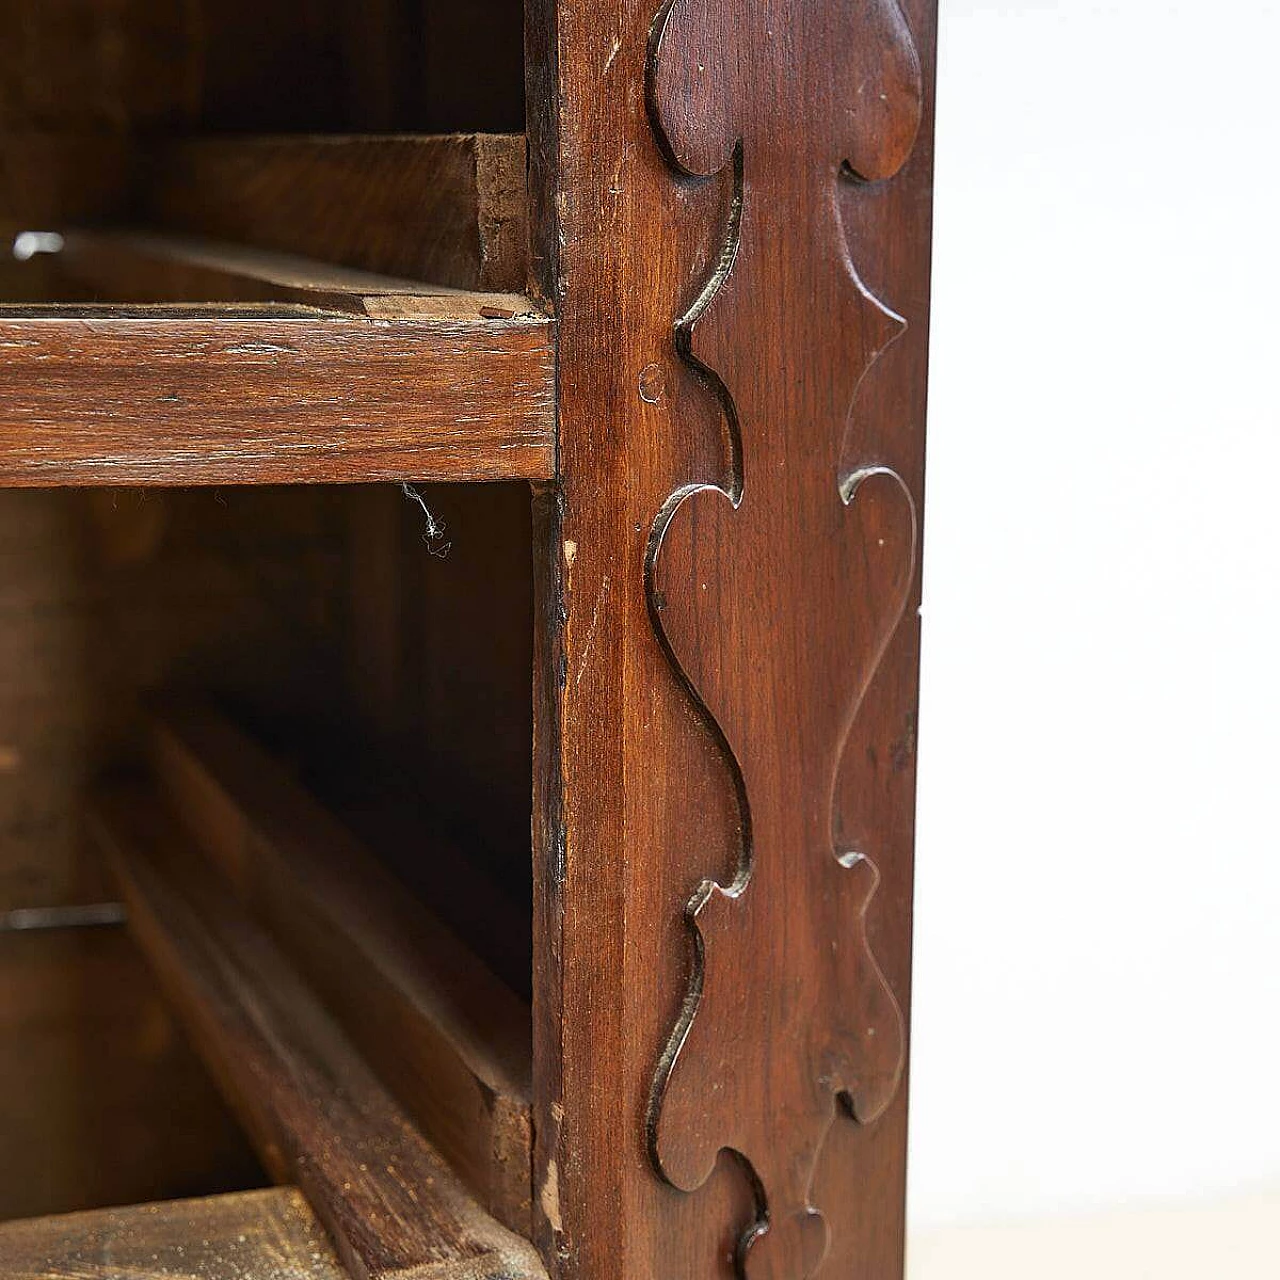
column 449, row 208
column 317, row 1114
column 253, row 1233
column 146, row 267
column 188, row 398
column 450, row 1039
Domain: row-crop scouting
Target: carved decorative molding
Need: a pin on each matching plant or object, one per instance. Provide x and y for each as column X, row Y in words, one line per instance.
column 777, row 598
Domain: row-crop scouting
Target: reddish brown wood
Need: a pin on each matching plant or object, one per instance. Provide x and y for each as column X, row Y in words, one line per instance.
column 137, row 267
column 779, row 594
column 103, row 594
column 449, row 210
column 237, row 66
column 450, row 1040
column 394, row 1209
column 642, row 797
column 190, row 398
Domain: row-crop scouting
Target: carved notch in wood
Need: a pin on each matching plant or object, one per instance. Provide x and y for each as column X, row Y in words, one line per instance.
column 777, row 598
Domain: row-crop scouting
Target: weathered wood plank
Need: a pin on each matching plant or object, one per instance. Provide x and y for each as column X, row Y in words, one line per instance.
column 146, row 267
column 317, row 1114
column 451, row 1041
column 177, row 397
column 448, row 209
column 263, row 1235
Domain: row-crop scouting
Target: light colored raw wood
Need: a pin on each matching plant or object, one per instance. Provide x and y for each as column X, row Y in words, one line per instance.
column 254, row 1235
column 180, row 397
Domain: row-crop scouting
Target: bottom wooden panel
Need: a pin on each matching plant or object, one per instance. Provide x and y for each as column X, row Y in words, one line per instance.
column 255, row 1235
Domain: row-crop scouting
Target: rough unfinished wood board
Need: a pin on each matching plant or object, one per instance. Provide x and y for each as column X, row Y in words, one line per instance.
column 253, row 1235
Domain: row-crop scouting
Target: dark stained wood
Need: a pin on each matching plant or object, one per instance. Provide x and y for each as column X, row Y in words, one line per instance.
column 450, row 1040
column 632, row 808
column 640, row 798
column 101, row 66
column 107, row 593
column 441, row 654
column 190, row 398
column 239, row 66
column 102, row 1100
column 266, row 1235
column 319, row 1117
column 146, row 267
column 50, row 179
column 104, row 594
column 301, row 65
column 472, row 67
column 406, row 65
column 467, row 748
column 449, row 210
column 46, row 181
column 689, row 709
column 236, row 65
column 779, row 593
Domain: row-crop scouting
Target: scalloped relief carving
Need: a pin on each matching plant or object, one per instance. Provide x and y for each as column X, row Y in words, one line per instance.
column 777, row 599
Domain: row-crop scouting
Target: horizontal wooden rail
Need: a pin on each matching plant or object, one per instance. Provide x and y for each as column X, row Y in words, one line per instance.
column 268, row 1234
column 453, row 1043
column 317, row 1114
column 262, row 395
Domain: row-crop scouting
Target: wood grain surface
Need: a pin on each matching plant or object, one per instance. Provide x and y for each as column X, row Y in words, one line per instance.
column 317, row 1114
column 189, row 398
column 102, row 1099
column 450, row 210
column 640, row 797
column 778, row 595
column 148, row 267
column 448, row 1038
column 253, row 1235
column 442, row 654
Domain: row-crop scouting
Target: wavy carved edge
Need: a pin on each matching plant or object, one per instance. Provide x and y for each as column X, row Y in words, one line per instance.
column 848, row 487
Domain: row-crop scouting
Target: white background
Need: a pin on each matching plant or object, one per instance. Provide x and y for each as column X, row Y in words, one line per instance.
column 1097, row 993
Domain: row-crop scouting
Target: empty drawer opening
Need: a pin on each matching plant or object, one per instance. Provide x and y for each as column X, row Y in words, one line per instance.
column 318, row 700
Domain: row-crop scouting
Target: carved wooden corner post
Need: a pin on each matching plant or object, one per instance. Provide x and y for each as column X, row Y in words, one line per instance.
column 735, row 227
column 779, row 596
